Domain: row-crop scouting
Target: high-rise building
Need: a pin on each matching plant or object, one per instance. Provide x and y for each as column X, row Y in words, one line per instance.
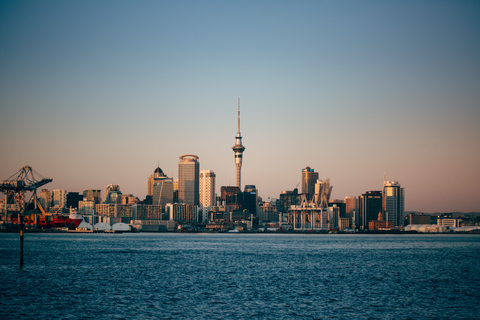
column 238, row 149
column 207, row 188
column 59, row 198
column 393, row 202
column 369, row 205
column 162, row 189
column 157, row 174
column 309, row 179
column 188, row 179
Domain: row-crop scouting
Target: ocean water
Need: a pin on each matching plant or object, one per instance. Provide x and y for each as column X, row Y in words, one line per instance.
column 240, row 276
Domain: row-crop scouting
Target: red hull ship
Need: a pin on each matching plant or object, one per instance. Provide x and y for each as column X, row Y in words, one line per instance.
column 71, row 221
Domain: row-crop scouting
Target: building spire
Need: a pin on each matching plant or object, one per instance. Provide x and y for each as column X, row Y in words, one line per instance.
column 238, row 116
column 238, row 149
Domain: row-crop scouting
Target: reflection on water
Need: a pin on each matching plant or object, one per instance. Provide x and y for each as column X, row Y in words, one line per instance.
column 238, row 276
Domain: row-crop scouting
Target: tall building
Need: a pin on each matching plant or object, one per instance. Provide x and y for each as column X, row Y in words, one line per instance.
column 369, row 206
column 238, row 149
column 188, row 179
column 59, row 198
column 207, row 188
column 157, row 174
column 393, row 202
column 163, row 192
column 309, row 179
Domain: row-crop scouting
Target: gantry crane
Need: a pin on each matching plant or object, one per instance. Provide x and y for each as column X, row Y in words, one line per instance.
column 25, row 179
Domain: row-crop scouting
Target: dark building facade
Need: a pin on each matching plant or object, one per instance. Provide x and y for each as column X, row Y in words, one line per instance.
column 369, row 205
column 288, row 199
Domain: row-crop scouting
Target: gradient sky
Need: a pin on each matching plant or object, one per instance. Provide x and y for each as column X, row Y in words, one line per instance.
column 100, row 92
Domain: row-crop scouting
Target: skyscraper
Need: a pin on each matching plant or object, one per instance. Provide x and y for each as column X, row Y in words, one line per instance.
column 393, row 202
column 163, row 192
column 188, row 179
column 157, row 174
column 238, row 149
column 207, row 188
column 309, row 178
column 369, row 206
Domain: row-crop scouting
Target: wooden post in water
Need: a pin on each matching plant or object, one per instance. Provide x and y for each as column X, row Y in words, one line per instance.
column 21, row 218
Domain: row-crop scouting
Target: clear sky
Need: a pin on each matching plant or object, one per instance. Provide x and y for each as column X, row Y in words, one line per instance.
column 100, row 92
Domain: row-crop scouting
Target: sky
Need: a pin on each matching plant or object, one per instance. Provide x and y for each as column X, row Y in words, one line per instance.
column 94, row 93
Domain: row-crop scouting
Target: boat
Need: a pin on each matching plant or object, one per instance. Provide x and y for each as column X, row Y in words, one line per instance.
column 56, row 220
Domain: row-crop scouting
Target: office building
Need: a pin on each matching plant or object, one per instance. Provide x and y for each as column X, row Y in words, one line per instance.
column 59, row 198
column 393, row 202
column 238, row 149
column 207, row 188
column 156, row 175
column 163, row 192
column 309, row 179
column 369, row 205
column 188, row 180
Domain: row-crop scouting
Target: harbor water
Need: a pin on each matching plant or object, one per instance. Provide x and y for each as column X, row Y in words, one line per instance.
column 240, row 276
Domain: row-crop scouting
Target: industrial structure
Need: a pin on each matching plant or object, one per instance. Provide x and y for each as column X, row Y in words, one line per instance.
column 313, row 214
column 15, row 187
column 238, row 149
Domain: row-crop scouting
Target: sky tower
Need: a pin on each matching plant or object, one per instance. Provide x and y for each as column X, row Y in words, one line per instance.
column 238, row 148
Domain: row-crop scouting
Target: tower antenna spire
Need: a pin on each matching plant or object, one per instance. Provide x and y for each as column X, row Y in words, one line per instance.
column 238, row 115
column 238, row 149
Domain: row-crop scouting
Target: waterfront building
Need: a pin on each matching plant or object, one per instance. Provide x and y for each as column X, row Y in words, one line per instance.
column 188, row 179
column 59, row 198
column 183, row 213
column 393, row 202
column 45, row 198
column 238, row 149
column 92, row 195
column 309, row 179
column 452, row 223
column 207, row 188
column 369, row 205
column 380, row 224
column 419, row 219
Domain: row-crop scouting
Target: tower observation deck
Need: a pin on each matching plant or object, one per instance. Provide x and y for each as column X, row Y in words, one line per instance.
column 238, row 149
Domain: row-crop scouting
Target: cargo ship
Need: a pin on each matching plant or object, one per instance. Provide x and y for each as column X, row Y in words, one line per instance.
column 56, row 220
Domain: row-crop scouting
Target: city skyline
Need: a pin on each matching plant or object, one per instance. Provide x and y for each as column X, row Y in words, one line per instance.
column 93, row 94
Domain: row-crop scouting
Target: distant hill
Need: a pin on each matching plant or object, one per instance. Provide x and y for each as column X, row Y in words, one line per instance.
column 454, row 214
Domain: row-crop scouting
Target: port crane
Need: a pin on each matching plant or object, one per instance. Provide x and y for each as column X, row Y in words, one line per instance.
column 24, row 180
